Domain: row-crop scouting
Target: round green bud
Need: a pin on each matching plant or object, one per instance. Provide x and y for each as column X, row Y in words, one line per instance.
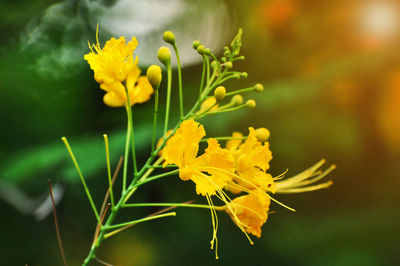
column 164, row 55
column 262, row 134
column 236, row 75
column 237, row 99
column 251, row 104
column 228, row 65
column 214, row 64
column 196, row 44
column 207, row 51
column 200, row 49
column 154, row 76
column 258, row 87
column 223, row 59
column 169, row 37
column 220, row 93
column 243, row 75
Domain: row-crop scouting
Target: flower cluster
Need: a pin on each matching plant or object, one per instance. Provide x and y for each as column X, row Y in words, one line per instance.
column 235, row 173
column 239, row 167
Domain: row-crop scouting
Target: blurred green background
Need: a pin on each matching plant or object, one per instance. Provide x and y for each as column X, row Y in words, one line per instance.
column 331, row 71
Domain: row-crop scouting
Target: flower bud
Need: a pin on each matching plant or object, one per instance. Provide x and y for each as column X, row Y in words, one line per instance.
column 223, row 59
column 169, row 37
column 200, row 49
column 262, row 134
column 237, row 99
column 251, row 104
column 220, row 93
column 243, row 75
column 164, row 55
column 154, row 76
column 228, row 65
column 207, row 51
column 214, row 64
column 196, row 44
column 258, row 87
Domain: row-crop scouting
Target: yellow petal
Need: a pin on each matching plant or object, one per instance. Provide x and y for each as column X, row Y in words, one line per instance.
column 250, row 211
column 233, row 144
column 181, row 149
column 113, row 100
column 141, row 92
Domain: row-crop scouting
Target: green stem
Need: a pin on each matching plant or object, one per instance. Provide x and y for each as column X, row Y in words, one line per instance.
column 179, row 81
column 153, row 142
column 160, row 166
column 126, row 156
column 202, row 206
column 202, row 76
column 130, row 121
column 109, row 170
column 139, row 220
column 71, row 154
column 239, row 91
column 208, row 69
column 227, row 110
column 168, row 98
column 228, row 77
column 155, row 177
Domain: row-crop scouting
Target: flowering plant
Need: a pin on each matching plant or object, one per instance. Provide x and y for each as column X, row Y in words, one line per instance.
column 235, row 172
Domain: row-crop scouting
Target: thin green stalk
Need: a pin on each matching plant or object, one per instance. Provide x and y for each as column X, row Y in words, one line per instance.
column 204, row 113
column 161, row 166
column 239, row 91
column 169, row 74
column 130, row 121
column 202, row 206
column 109, row 170
column 153, row 142
column 139, row 220
column 208, row 69
column 155, row 177
column 126, row 156
column 71, row 154
column 227, row 110
column 227, row 77
column 179, row 81
column 203, row 73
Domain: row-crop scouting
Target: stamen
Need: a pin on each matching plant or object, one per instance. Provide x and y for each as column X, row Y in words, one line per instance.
column 281, row 176
column 237, row 220
column 214, row 237
column 301, row 176
column 225, row 198
column 310, row 181
column 306, row 189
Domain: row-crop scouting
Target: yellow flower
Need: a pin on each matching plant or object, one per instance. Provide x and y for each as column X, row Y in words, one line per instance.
column 250, row 211
column 117, row 72
column 251, row 163
column 114, row 62
column 139, row 89
column 210, row 171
